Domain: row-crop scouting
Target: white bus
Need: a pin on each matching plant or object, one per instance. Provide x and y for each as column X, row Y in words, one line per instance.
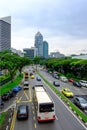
column 44, row 104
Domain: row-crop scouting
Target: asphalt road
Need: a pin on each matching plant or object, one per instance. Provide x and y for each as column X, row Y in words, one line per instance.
column 82, row 92
column 65, row 119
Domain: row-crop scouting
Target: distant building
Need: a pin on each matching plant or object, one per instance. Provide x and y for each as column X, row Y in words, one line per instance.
column 39, row 43
column 5, row 33
column 45, row 49
column 19, row 52
column 56, row 55
column 30, row 52
column 84, row 56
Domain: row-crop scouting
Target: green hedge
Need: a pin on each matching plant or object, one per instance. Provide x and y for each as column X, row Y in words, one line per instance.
column 7, row 87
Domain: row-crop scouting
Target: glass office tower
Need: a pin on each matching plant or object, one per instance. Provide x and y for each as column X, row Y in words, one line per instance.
column 5, row 33
column 39, row 43
column 45, row 49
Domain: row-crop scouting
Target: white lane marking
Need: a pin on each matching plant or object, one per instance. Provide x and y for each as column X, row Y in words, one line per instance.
column 66, row 107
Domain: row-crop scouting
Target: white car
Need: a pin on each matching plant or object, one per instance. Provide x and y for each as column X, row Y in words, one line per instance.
column 83, row 83
column 64, row 79
column 26, row 85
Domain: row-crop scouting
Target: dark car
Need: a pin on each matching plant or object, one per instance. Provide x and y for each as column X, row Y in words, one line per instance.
column 5, row 97
column 77, row 84
column 1, row 104
column 11, row 94
column 56, row 83
column 80, row 102
column 22, row 112
column 31, row 74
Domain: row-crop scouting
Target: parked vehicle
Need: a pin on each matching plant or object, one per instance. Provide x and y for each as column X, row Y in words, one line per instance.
column 77, row 84
column 1, row 103
column 11, row 94
column 71, row 80
column 56, row 83
column 5, row 97
column 64, row 79
column 83, row 83
column 22, row 112
column 80, row 102
column 1, row 73
column 55, row 75
column 67, row 92
column 17, row 89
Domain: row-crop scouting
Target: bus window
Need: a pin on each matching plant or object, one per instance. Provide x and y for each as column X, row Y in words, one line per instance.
column 46, row 107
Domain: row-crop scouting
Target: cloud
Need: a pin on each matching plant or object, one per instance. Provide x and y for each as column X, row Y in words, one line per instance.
column 63, row 23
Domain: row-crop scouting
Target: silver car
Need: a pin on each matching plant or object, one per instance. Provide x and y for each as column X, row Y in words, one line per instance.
column 80, row 102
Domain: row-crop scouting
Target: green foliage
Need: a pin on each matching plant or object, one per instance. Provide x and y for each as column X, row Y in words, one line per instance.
column 12, row 62
column 74, row 67
column 7, row 87
column 2, row 116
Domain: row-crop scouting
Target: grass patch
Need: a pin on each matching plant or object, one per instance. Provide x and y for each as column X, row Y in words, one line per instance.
column 7, row 87
column 2, row 117
column 74, row 108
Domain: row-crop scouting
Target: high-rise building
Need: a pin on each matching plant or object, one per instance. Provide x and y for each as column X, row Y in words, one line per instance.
column 45, row 49
column 5, row 33
column 39, row 43
column 30, row 52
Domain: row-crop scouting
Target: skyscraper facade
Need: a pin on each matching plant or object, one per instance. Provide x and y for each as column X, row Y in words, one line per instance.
column 5, row 33
column 45, row 49
column 39, row 43
column 30, row 52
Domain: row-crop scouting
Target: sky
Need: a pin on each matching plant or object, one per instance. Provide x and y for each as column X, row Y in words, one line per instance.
column 63, row 23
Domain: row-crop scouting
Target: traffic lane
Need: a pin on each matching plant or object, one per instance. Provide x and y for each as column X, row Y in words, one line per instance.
column 63, row 117
column 39, row 126
column 25, row 124
column 75, row 90
column 66, row 119
column 46, row 125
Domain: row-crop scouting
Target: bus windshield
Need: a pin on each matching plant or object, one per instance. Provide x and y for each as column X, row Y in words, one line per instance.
column 49, row 107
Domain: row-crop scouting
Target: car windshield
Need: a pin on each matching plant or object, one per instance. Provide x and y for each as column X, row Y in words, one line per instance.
column 83, row 100
column 26, row 84
column 56, row 83
column 22, row 111
column 68, row 90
